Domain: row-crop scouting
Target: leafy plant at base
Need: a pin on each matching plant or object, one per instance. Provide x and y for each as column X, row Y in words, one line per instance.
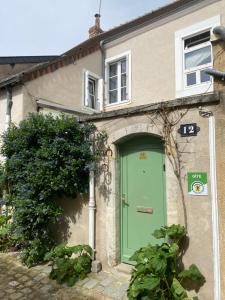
column 6, row 241
column 66, row 269
column 156, row 275
column 46, row 157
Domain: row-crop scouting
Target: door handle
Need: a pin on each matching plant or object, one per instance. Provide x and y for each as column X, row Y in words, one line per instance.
column 124, row 199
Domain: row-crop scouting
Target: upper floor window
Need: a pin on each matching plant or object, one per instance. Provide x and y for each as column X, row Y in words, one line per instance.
column 193, row 55
column 197, row 58
column 93, row 91
column 118, row 79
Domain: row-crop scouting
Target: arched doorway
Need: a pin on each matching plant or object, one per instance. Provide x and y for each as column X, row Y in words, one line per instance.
column 142, row 191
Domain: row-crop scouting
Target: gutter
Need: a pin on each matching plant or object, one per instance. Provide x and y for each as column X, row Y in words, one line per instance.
column 10, row 81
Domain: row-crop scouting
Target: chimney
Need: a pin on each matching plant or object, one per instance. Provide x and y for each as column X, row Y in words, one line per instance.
column 95, row 30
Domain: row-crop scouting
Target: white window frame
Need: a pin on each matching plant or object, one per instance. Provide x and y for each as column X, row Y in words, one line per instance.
column 181, row 89
column 112, row 60
column 99, row 90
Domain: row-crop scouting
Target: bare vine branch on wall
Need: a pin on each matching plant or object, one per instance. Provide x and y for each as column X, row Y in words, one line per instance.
column 166, row 120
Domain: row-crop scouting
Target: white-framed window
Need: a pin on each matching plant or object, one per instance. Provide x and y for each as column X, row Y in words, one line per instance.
column 193, row 55
column 118, row 79
column 93, row 91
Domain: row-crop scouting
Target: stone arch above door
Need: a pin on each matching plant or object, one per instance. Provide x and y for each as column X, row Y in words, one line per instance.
column 134, row 129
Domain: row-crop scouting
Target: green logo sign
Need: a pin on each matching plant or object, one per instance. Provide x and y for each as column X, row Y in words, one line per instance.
column 197, row 184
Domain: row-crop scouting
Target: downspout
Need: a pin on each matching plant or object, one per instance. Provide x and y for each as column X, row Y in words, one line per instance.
column 215, row 223
column 92, row 207
column 103, row 72
column 92, row 201
column 9, row 104
column 214, row 205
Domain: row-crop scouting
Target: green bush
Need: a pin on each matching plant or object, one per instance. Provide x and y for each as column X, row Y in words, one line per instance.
column 66, row 269
column 157, row 274
column 46, row 157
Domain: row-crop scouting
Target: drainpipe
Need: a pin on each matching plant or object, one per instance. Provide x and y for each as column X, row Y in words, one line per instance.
column 216, row 73
column 92, row 208
column 220, row 32
column 103, row 72
column 215, row 223
column 9, row 104
column 92, row 204
column 214, row 205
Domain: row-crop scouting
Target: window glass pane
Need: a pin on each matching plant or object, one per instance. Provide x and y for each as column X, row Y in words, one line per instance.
column 198, row 57
column 113, row 96
column 91, row 101
column 113, row 83
column 191, row 79
column 123, row 94
column 123, row 66
column 123, row 80
column 204, row 76
column 112, row 69
column 91, row 86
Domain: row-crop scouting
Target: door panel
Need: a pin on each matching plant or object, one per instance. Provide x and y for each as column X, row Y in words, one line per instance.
column 142, row 193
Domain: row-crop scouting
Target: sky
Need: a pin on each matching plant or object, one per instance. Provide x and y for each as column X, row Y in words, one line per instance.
column 51, row 27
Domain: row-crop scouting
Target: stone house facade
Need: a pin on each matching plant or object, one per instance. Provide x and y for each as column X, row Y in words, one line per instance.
column 142, row 82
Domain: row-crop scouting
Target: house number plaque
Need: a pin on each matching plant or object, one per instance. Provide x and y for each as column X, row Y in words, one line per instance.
column 147, row 210
column 188, row 129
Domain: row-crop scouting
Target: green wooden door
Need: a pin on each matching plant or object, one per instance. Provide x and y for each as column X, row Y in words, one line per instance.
column 142, row 192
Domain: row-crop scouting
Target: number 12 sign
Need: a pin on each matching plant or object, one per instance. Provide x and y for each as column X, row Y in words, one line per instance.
column 188, row 129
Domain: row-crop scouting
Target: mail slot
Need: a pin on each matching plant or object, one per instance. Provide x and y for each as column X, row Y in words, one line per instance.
column 146, row 210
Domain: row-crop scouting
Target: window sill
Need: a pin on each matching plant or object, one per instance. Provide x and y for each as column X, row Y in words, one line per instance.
column 112, row 105
column 195, row 90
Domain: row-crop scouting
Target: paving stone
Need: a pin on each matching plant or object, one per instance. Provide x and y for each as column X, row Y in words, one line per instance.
column 82, row 282
column 29, row 283
column 10, row 291
column 2, row 294
column 90, row 284
column 23, row 278
column 26, row 291
column 99, row 288
column 106, row 281
column 46, row 288
column 13, row 283
column 39, row 277
column 15, row 296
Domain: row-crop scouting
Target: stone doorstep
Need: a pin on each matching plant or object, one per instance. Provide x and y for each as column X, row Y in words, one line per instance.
column 123, row 270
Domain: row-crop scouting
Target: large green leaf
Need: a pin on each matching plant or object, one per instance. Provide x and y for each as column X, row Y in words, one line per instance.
column 193, row 274
column 178, row 291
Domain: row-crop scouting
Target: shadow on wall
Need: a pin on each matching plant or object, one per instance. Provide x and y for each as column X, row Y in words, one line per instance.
column 73, row 208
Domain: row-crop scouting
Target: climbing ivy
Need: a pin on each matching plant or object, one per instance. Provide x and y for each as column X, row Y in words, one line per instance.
column 46, row 157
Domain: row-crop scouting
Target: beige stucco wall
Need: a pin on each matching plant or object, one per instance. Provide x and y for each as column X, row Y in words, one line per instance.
column 153, row 56
column 65, row 85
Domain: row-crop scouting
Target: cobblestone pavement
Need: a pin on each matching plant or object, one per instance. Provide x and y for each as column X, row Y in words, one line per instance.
column 19, row 282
